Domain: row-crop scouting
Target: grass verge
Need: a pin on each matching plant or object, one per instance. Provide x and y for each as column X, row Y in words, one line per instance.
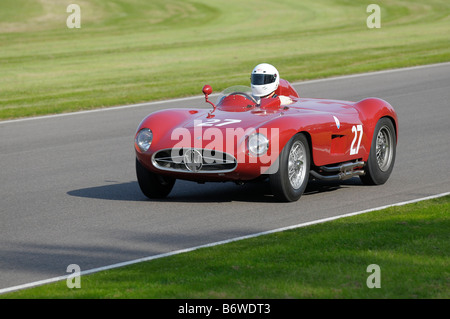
column 409, row 243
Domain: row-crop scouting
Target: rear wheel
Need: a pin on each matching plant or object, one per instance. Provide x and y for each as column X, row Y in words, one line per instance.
column 151, row 184
column 382, row 154
column 290, row 180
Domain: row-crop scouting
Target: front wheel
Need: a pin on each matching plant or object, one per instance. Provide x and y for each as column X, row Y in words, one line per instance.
column 151, row 184
column 290, row 180
column 382, row 154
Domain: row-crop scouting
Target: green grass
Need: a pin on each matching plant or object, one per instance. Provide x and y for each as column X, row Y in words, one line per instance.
column 409, row 243
column 135, row 51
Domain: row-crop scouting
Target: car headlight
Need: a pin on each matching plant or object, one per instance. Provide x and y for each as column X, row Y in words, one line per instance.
column 144, row 139
column 258, row 144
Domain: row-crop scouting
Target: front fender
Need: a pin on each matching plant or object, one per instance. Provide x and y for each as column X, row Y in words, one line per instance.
column 163, row 122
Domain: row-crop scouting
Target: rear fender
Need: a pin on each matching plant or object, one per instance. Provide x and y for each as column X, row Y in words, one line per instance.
column 371, row 110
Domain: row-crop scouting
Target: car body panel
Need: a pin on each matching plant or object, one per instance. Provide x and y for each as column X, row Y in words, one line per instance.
column 339, row 131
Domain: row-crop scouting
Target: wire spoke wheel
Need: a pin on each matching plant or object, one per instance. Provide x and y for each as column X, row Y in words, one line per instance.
column 384, row 151
column 291, row 177
column 297, row 165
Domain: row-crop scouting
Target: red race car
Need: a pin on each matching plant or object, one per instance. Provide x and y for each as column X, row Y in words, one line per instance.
column 243, row 138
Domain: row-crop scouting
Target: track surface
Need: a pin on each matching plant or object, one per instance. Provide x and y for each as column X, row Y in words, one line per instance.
column 69, row 194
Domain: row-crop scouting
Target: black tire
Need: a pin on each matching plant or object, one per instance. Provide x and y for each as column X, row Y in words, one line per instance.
column 288, row 187
column 382, row 154
column 151, row 184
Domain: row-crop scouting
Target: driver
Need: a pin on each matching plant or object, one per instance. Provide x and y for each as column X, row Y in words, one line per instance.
column 265, row 80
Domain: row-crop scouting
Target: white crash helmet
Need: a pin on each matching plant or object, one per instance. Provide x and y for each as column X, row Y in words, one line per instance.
column 264, row 79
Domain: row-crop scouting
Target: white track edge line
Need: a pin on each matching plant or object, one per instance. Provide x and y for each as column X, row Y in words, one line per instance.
column 222, row 242
column 111, row 108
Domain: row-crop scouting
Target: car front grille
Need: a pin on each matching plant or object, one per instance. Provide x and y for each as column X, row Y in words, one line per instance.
column 192, row 160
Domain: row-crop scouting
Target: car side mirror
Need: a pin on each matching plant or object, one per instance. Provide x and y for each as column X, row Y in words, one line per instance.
column 207, row 90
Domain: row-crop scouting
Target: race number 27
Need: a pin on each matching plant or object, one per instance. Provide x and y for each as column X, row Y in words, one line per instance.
column 357, row 130
column 216, row 123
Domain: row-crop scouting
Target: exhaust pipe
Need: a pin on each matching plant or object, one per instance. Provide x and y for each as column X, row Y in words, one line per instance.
column 344, row 171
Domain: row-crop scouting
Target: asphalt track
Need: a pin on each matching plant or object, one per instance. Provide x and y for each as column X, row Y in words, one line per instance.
column 69, row 194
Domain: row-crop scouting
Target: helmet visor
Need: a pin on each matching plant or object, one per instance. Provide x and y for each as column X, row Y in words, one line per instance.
column 260, row 79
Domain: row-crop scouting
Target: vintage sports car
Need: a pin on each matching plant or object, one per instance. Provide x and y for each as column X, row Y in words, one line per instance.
column 242, row 139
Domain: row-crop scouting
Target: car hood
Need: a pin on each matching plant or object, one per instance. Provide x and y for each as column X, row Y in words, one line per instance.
column 223, row 120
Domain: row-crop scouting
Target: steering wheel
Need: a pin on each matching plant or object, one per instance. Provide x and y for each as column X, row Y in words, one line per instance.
column 246, row 95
